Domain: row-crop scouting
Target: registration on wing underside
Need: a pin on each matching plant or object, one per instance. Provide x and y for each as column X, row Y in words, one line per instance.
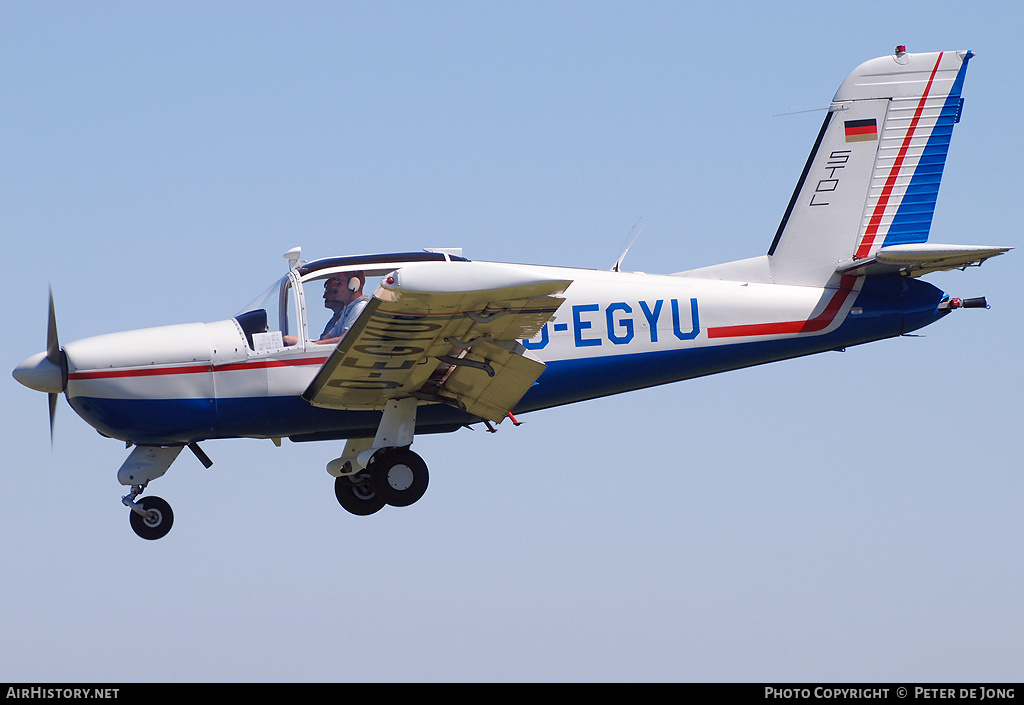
column 459, row 348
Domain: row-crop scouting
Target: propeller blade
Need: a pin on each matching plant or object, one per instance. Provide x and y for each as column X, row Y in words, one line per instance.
column 52, row 343
column 53, row 414
column 53, row 355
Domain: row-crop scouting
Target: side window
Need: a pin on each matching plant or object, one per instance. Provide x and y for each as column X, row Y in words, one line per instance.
column 327, row 296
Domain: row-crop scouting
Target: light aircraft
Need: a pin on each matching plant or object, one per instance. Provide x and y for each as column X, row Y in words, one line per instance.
column 445, row 342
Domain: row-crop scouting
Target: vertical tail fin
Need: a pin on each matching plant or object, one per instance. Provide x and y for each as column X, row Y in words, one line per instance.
column 872, row 178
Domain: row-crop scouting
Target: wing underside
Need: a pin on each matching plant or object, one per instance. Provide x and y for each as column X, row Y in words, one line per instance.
column 446, row 333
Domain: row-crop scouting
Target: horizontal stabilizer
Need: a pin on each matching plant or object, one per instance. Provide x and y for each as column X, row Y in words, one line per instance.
column 917, row 259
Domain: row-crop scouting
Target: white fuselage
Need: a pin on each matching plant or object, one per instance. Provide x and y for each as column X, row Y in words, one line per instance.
column 614, row 332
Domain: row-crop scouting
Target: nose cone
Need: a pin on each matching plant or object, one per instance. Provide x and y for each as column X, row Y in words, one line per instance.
column 39, row 373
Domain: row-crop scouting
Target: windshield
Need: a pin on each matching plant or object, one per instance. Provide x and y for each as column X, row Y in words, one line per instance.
column 273, row 311
column 333, row 300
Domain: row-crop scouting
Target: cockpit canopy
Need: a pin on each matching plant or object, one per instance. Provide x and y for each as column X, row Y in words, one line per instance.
column 291, row 312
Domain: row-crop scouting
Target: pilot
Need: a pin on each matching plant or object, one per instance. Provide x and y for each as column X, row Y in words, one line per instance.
column 343, row 294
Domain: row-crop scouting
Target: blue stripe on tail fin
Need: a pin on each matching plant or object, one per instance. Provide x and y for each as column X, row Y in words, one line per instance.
column 913, row 220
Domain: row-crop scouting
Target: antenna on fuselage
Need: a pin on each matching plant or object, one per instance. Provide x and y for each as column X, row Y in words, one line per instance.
column 618, row 263
column 798, row 109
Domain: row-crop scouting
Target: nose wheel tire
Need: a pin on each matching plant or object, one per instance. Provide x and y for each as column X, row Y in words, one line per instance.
column 357, row 496
column 157, row 520
column 399, row 476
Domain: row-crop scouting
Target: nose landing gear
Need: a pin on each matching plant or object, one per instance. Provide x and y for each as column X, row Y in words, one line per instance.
column 151, row 517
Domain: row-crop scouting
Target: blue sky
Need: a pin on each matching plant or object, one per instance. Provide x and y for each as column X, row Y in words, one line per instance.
column 849, row 517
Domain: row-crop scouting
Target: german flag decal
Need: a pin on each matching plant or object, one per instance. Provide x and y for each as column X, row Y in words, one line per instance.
column 861, row 130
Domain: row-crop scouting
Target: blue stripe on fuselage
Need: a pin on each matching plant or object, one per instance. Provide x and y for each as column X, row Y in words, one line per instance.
column 887, row 306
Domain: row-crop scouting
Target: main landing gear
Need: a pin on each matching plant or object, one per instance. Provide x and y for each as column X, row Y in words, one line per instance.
column 394, row 476
column 372, row 473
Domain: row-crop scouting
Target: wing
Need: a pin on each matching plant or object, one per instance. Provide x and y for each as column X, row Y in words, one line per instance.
column 917, row 260
column 443, row 332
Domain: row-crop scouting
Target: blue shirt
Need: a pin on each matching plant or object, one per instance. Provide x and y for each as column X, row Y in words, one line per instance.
column 343, row 319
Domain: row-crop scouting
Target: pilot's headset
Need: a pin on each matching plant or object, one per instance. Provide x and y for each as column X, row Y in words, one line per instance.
column 355, row 282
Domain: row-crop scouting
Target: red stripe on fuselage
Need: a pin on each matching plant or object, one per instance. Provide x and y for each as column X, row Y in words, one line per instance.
column 258, row 364
column 196, row 369
column 812, row 325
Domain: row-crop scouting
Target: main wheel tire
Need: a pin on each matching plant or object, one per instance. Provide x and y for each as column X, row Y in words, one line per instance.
column 399, row 476
column 156, row 523
column 357, row 496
